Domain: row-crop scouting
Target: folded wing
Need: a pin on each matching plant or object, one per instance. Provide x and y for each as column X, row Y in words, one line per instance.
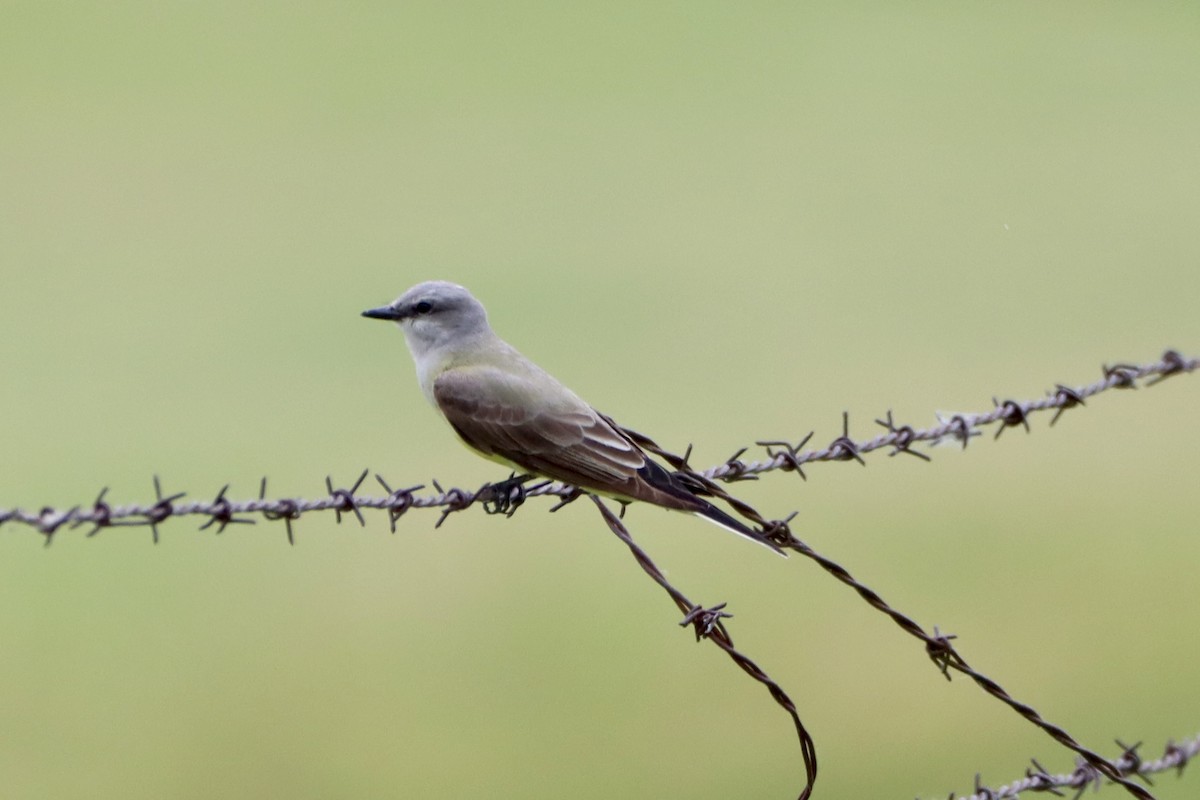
column 547, row 430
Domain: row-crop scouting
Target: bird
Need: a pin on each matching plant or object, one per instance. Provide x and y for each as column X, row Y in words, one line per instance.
column 511, row 411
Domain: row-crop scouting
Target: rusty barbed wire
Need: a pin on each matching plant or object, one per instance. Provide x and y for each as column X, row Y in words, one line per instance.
column 938, row 646
column 1038, row 779
column 708, row 624
column 783, row 456
column 506, row 496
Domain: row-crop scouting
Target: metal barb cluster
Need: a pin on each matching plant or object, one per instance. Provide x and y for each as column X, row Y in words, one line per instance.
column 1129, row 763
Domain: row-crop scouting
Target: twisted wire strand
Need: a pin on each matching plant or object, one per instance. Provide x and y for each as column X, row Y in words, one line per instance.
column 1037, row 779
column 221, row 512
column 708, row 624
column 938, row 646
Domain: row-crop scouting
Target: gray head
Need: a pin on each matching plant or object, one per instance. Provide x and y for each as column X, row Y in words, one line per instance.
column 435, row 315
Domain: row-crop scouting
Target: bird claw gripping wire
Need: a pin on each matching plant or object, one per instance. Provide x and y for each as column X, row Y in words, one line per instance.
column 506, row 496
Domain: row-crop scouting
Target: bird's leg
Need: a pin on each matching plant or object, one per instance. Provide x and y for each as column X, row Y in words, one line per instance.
column 574, row 495
column 504, row 497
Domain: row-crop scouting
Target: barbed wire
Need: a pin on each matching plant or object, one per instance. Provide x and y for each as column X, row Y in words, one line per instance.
column 938, row 646
column 708, row 624
column 507, row 496
column 1037, row 779
column 222, row 512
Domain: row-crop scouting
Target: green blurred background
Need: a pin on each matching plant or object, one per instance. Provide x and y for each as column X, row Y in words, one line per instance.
column 719, row 223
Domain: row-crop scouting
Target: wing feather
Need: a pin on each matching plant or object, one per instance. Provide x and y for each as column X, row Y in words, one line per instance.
column 545, row 429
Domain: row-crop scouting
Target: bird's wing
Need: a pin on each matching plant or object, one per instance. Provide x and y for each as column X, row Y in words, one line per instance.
column 540, row 426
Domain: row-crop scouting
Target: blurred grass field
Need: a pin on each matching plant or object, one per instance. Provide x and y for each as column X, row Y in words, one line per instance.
column 716, row 222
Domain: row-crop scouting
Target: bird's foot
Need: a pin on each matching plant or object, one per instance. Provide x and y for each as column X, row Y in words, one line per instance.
column 504, row 497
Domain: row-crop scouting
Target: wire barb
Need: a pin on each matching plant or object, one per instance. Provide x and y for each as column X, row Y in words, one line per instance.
column 1174, row 363
column 1121, row 376
column 905, row 436
column 344, row 499
column 706, row 620
column 1065, row 397
column 844, row 448
column 161, row 510
column 941, row 652
column 222, row 513
column 284, row 509
column 788, row 456
column 51, row 520
column 1012, row 414
column 456, row 500
column 398, row 501
column 736, row 468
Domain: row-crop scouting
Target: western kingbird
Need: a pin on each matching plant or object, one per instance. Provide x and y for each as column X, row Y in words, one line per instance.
column 509, row 410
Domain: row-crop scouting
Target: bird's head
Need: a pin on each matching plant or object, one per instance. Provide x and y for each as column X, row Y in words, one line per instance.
column 435, row 315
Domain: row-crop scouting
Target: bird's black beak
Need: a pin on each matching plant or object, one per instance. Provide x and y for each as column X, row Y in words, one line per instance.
column 383, row 312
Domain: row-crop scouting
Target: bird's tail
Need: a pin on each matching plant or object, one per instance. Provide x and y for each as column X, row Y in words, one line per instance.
column 719, row 517
column 674, row 490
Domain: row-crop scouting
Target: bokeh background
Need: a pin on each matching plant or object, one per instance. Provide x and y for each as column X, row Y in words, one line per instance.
column 718, row 222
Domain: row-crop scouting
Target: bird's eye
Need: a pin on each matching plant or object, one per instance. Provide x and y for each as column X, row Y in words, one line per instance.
column 424, row 307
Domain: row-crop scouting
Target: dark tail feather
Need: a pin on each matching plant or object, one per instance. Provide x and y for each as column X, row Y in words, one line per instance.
column 719, row 517
column 673, row 490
